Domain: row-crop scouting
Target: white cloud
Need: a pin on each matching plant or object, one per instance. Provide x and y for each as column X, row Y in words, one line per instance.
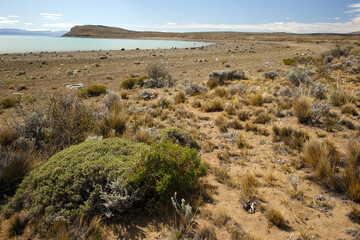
column 287, row 18
column 171, row 23
column 51, row 16
column 294, row 27
column 7, row 21
column 37, row 29
column 2, row 18
column 28, row 23
column 59, row 25
column 12, row 16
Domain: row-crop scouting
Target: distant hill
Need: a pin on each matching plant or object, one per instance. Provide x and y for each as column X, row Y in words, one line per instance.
column 15, row 31
column 98, row 31
column 355, row 33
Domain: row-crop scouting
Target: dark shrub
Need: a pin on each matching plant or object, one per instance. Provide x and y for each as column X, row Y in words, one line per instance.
column 178, row 136
column 9, row 102
column 168, row 168
column 69, row 183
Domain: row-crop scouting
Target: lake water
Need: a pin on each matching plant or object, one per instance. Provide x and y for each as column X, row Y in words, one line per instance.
column 25, row 44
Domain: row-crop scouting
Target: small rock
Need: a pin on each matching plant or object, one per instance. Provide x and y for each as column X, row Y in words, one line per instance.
column 103, row 57
column 74, row 86
column 21, row 73
column 77, row 71
column 70, row 73
column 227, row 65
column 136, row 63
column 21, row 87
column 123, row 49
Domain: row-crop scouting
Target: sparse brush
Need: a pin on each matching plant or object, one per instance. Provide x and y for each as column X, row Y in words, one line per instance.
column 15, row 226
column 324, row 157
column 9, row 102
column 263, row 118
column 349, row 108
column 276, row 217
column 299, row 77
column 180, row 97
column 208, row 146
column 222, row 218
column 270, row 178
column 239, row 88
column 352, row 171
column 248, row 191
column 221, row 174
column 249, row 126
column 340, row 97
column 111, row 100
column 319, row 90
column 206, row 232
column 256, row 99
column 157, row 71
column 215, row 105
column 221, row 92
column 243, row 115
column 293, row 138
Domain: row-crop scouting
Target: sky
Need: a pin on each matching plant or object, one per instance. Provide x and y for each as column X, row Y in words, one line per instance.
column 295, row 16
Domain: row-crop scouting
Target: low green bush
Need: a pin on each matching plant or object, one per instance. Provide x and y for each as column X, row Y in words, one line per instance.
column 131, row 82
column 92, row 91
column 69, row 183
column 168, row 168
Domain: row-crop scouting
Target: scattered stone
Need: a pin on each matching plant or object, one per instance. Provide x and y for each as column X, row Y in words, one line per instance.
column 227, row 65
column 94, row 138
column 97, row 65
column 123, row 49
column 21, row 87
column 21, row 73
column 137, row 63
column 77, row 71
column 103, row 57
column 74, row 86
column 69, row 73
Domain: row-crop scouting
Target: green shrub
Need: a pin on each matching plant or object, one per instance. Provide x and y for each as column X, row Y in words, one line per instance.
column 178, row 136
column 168, row 168
column 131, row 82
column 69, row 182
column 9, row 102
column 93, row 91
column 289, row 61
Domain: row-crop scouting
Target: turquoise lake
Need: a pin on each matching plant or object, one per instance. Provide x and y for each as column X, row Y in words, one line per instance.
column 26, row 44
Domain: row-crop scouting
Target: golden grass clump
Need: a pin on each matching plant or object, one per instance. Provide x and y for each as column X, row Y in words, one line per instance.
column 243, row 115
column 263, row 118
column 116, row 119
column 302, row 108
column 206, row 232
column 349, row 108
column 221, row 92
column 222, row 217
column 276, row 217
column 7, row 135
column 212, row 83
column 215, row 105
column 15, row 226
column 221, row 174
column 257, row 99
column 241, row 142
column 324, row 158
column 293, row 138
column 180, row 97
column 340, row 96
column 222, row 123
column 352, row 170
column 124, row 94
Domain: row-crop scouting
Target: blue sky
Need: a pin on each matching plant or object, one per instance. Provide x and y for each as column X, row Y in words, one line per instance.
column 298, row 16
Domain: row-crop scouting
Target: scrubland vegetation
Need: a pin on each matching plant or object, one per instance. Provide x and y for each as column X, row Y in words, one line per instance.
column 218, row 159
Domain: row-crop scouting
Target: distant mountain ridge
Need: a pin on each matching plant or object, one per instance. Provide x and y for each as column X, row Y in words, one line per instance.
column 15, row 31
column 98, row 31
